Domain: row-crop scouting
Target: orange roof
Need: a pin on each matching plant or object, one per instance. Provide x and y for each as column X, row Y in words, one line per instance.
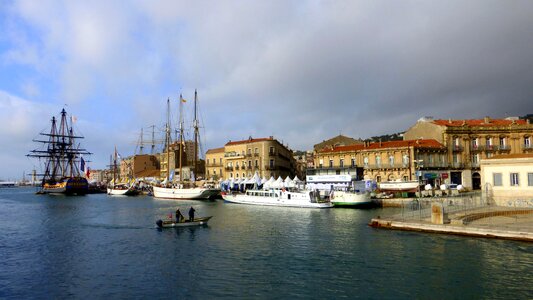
column 216, row 150
column 480, row 122
column 422, row 143
column 250, row 140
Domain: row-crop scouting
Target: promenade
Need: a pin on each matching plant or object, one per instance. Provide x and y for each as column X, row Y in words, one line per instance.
column 466, row 216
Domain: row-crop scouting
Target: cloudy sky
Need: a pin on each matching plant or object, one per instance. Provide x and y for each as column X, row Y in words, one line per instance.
column 302, row 71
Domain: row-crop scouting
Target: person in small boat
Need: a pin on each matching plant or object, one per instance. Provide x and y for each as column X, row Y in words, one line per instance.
column 191, row 214
column 179, row 216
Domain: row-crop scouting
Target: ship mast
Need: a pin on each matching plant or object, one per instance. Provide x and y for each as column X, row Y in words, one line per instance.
column 167, row 140
column 181, row 137
column 195, row 124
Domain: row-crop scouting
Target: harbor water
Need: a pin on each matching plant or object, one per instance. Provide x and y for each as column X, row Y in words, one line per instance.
column 101, row 247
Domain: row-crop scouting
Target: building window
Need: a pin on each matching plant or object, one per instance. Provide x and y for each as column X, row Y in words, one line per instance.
column 221, row 160
column 502, row 142
column 271, row 150
column 475, row 159
column 249, row 164
column 365, row 161
column 342, row 163
column 457, row 142
column 497, row 179
column 474, row 143
column 353, row 162
column 405, row 178
column 331, row 163
column 243, row 175
column 256, row 150
column 271, row 163
column 391, row 160
column 230, row 175
column 405, row 160
column 514, row 179
column 527, row 142
column 230, row 164
column 256, row 163
column 378, row 178
column 488, row 143
column 236, row 175
column 378, row 160
column 530, row 179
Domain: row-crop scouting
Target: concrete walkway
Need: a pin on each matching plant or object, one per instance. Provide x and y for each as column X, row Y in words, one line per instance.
column 490, row 222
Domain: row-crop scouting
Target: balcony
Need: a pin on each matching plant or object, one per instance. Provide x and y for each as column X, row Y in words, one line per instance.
column 385, row 166
column 228, row 168
column 476, row 148
column 457, row 148
column 527, row 147
column 504, row 148
column 490, row 148
column 457, row 165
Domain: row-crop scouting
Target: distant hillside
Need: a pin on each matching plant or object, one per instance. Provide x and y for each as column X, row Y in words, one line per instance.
column 387, row 137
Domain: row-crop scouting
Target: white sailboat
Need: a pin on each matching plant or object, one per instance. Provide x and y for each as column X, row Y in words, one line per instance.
column 183, row 190
column 120, row 189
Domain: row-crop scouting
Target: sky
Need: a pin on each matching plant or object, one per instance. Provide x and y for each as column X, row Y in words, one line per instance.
column 301, row 71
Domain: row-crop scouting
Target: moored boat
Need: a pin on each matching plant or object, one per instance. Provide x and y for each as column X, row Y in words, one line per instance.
column 172, row 223
column 350, row 199
column 183, row 189
column 399, row 186
column 274, row 197
column 63, row 162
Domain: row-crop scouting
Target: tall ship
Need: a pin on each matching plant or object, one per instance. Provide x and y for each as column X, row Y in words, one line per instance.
column 182, row 189
column 61, row 154
column 116, row 188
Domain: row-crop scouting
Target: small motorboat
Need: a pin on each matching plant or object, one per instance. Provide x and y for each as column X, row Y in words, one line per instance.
column 172, row 223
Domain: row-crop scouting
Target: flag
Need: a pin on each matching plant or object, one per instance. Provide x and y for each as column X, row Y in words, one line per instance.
column 82, row 165
column 88, row 172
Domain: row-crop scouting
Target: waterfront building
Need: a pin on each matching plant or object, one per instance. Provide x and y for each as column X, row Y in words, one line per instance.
column 301, row 158
column 98, row 175
column 173, row 157
column 508, row 179
column 467, row 142
column 242, row 159
column 409, row 160
column 139, row 166
column 214, row 164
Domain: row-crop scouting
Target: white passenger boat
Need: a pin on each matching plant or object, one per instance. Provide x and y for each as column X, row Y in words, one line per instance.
column 279, row 198
column 179, row 192
column 399, row 186
column 350, row 199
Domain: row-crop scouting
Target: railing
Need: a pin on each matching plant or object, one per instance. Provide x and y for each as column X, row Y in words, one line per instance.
column 384, row 166
column 477, row 148
column 504, row 148
column 527, row 147
column 457, row 165
column 457, row 148
column 213, row 165
column 229, row 168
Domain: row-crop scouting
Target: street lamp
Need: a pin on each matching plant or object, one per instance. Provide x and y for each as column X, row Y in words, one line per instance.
column 419, row 164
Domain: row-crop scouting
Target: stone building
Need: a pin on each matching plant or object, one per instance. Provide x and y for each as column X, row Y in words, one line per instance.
column 469, row 141
column 140, row 165
column 241, row 159
column 385, row 161
column 507, row 180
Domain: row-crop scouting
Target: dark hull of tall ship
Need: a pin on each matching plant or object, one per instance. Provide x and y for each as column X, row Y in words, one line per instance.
column 66, row 186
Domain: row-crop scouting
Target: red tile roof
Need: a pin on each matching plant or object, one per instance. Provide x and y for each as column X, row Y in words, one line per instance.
column 250, row 140
column 422, row 143
column 216, row 150
column 480, row 122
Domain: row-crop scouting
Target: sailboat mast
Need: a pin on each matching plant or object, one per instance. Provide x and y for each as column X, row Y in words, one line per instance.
column 181, row 137
column 167, row 139
column 195, row 134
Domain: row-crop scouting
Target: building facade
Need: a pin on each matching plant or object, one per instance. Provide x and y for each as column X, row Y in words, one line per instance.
column 242, row 159
column 385, row 161
column 467, row 142
column 507, row 180
column 138, row 166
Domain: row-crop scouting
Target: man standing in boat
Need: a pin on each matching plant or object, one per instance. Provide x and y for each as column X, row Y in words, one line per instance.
column 179, row 216
column 191, row 214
